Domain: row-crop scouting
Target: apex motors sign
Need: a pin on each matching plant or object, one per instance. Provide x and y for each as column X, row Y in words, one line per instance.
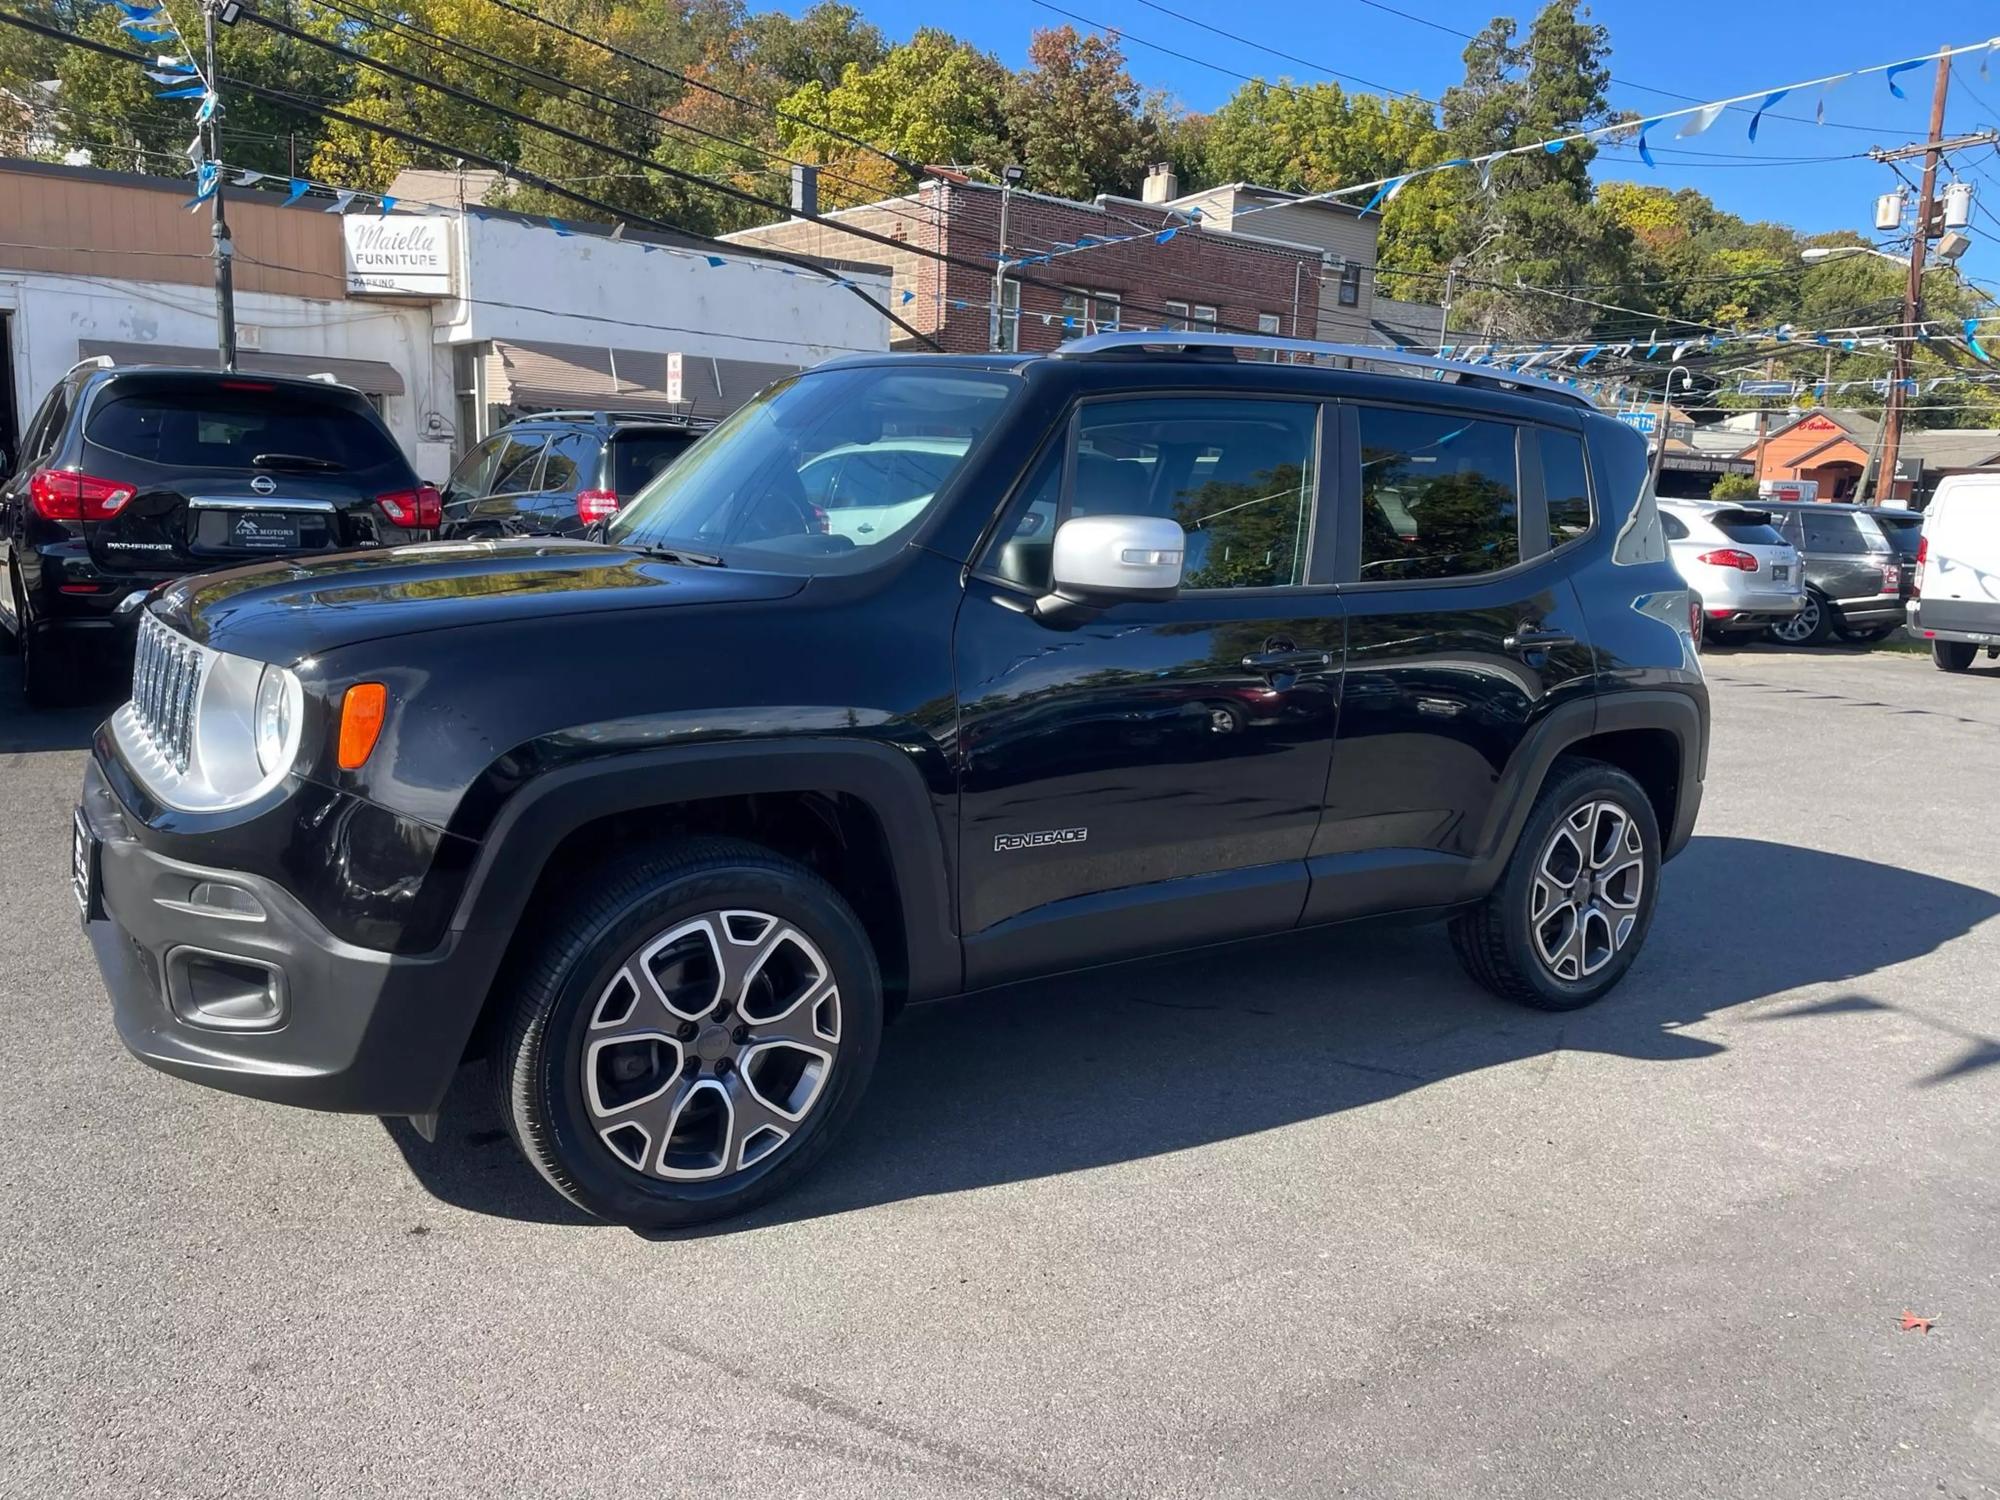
column 398, row 256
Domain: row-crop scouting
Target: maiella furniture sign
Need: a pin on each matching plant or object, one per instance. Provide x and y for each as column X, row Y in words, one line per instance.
column 398, row 256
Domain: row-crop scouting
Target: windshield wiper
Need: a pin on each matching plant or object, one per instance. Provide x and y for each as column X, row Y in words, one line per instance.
column 293, row 461
column 679, row 555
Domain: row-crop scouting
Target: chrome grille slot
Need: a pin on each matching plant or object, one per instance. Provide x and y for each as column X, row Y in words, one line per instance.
column 166, row 676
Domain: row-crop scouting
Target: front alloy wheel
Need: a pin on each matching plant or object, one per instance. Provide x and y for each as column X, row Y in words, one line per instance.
column 690, row 1034
column 710, row 1045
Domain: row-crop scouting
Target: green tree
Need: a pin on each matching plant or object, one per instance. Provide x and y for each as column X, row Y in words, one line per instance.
column 1733, row 487
column 1075, row 119
column 109, row 107
column 935, row 99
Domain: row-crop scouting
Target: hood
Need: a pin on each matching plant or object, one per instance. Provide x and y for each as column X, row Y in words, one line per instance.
column 287, row 609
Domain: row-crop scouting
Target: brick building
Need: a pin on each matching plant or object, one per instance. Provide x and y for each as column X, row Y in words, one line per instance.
column 1204, row 276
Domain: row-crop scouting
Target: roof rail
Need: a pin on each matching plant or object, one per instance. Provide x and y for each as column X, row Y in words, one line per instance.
column 1483, row 375
column 601, row 415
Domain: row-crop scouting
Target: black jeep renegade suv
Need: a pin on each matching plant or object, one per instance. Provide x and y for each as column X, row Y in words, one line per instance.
column 1176, row 649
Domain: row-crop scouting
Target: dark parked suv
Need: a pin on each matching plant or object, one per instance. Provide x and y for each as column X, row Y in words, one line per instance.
column 1856, row 582
column 559, row 473
column 1179, row 650
column 129, row 476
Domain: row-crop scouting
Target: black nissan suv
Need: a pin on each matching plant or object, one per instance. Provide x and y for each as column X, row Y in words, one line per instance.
column 128, row 476
column 1177, row 650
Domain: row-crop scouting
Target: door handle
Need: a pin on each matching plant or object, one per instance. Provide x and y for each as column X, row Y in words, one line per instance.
column 1276, row 663
column 1531, row 637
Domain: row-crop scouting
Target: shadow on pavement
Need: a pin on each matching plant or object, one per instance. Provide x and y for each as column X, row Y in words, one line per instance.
column 26, row 730
column 1124, row 1063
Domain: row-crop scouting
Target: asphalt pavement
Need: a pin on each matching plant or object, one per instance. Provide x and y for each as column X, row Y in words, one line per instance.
column 1314, row 1217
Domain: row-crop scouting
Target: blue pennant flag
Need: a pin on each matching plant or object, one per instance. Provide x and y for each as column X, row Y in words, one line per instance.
column 1890, row 76
column 1553, row 147
column 1847, row 344
column 560, row 228
column 1769, row 100
column 715, row 260
column 1084, row 240
column 1589, row 354
column 207, row 178
column 1972, row 341
column 1164, row 235
column 192, row 91
column 138, row 12
column 1645, row 153
column 908, row 297
column 300, row 187
column 1384, row 193
column 154, row 38
column 209, row 100
column 386, row 205
column 957, row 305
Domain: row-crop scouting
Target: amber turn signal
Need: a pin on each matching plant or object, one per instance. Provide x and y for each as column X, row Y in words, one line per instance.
column 361, row 714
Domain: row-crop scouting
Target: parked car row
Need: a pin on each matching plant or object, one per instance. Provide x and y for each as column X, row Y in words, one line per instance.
column 131, row 476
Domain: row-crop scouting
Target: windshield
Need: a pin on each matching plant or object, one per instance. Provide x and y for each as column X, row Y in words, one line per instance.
column 823, row 472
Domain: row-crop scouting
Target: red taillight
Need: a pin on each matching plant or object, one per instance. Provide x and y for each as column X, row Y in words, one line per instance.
column 1729, row 557
column 422, row 507
column 246, row 385
column 593, row 506
column 1892, row 578
column 65, row 495
column 1923, row 554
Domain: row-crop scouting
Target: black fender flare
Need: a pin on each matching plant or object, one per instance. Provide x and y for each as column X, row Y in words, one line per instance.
column 537, row 817
column 1678, row 713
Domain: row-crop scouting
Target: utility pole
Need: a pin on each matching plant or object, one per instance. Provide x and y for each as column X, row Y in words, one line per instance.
column 225, row 250
column 1913, row 292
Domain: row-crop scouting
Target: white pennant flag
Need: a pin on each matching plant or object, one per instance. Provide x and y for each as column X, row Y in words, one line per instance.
column 1700, row 120
column 248, row 178
column 1819, row 112
column 340, row 201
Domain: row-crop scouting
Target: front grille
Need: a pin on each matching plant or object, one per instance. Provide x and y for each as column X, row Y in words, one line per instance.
column 166, row 674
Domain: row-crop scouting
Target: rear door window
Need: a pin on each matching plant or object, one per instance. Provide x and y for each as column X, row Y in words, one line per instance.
column 637, row 456
column 514, row 470
column 571, row 463
column 1565, row 486
column 212, row 427
column 1439, row 495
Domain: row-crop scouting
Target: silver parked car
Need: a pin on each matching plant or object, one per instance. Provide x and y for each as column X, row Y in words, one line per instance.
column 1749, row 577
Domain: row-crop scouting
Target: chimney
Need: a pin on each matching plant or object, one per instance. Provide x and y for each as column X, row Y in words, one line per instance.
column 1161, row 185
column 805, row 191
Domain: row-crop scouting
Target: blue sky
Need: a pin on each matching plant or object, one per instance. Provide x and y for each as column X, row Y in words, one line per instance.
column 1697, row 47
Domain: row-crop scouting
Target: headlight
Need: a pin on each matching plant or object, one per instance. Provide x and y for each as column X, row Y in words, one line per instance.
column 273, row 722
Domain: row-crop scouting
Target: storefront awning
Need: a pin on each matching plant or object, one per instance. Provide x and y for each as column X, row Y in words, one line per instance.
column 548, row 377
column 370, row 376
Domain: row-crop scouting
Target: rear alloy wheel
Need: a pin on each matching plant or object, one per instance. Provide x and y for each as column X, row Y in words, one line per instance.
column 1809, row 627
column 1572, row 907
column 1953, row 656
column 693, row 1036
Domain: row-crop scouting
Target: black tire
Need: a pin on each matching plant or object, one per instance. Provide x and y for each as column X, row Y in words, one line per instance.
column 1866, row 636
column 1953, row 656
column 1495, row 940
column 1810, row 627
column 539, row 1065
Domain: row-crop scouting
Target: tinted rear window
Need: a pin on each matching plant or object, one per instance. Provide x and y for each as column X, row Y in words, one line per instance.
column 1750, row 527
column 637, row 456
column 1903, row 532
column 212, row 428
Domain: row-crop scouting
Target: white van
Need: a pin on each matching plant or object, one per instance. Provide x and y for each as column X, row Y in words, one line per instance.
column 1957, row 608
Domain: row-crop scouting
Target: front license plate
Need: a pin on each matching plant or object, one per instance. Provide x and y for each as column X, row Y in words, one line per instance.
column 83, row 865
column 265, row 531
column 1781, row 571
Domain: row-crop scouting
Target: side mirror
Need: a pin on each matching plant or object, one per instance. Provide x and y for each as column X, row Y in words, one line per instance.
column 1099, row 561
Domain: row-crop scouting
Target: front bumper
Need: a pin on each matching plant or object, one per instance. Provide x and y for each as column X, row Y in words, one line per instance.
column 345, row 1028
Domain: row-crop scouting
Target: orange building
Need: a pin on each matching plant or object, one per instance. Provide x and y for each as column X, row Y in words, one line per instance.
column 1831, row 448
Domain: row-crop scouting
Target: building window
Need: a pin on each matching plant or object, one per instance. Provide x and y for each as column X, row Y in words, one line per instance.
column 1177, row 316
column 1075, row 314
column 1104, row 309
column 1268, row 323
column 1010, row 316
column 1204, row 319
column 1350, row 284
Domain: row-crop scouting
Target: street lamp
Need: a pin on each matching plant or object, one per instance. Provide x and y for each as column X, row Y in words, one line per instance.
column 1817, row 255
column 1666, row 422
